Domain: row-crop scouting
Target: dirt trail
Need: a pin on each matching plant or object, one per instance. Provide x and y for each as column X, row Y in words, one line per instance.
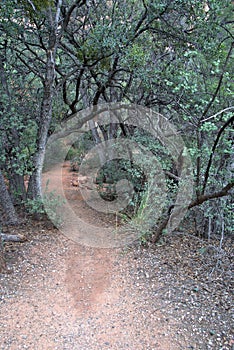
column 65, row 296
column 62, row 295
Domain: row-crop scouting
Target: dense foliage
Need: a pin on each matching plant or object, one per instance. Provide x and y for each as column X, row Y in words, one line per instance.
column 59, row 57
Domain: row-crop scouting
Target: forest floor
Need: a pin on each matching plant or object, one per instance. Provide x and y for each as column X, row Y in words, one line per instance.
column 58, row 294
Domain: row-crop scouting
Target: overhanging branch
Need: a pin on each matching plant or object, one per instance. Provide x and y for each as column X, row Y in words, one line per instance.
column 206, row 197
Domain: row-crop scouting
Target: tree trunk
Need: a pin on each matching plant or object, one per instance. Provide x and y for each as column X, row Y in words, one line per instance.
column 17, row 188
column 16, row 181
column 34, row 186
column 6, row 203
column 98, row 141
column 56, row 29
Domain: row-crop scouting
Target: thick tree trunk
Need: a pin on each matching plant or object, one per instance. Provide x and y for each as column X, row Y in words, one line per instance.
column 17, row 188
column 16, row 181
column 34, row 185
column 6, row 203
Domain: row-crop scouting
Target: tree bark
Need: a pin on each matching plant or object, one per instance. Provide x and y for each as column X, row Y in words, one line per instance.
column 17, row 188
column 16, row 181
column 56, row 29
column 6, row 203
column 34, row 186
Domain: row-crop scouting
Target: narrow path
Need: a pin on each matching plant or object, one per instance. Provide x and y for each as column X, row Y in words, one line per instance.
column 62, row 295
column 67, row 296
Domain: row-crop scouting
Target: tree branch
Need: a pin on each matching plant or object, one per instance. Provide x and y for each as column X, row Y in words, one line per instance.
column 204, row 198
column 200, row 200
column 30, row 67
column 230, row 120
column 216, row 114
column 78, row 3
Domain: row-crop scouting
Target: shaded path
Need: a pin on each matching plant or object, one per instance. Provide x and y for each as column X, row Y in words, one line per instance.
column 67, row 296
column 61, row 295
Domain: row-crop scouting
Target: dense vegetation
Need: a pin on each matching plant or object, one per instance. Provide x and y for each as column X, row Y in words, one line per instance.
column 176, row 57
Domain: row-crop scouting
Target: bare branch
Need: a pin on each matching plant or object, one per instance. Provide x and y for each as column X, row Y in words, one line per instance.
column 204, row 198
column 31, row 4
column 58, row 12
column 29, row 67
column 223, row 192
column 230, row 121
column 78, row 4
column 216, row 114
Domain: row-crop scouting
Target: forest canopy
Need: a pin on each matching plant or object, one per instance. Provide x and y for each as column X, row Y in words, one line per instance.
column 175, row 57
